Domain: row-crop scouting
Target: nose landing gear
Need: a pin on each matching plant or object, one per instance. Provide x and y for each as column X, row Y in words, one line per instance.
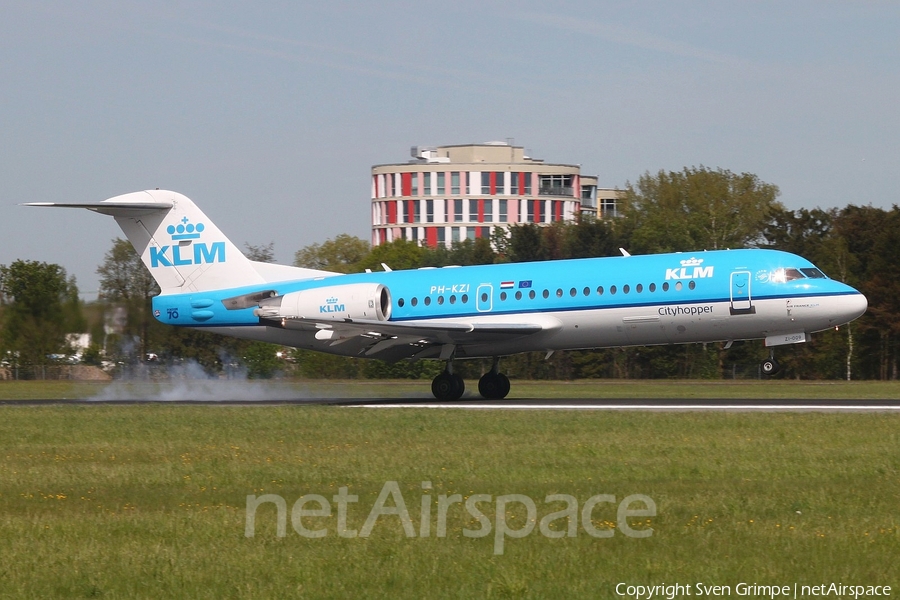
column 770, row 366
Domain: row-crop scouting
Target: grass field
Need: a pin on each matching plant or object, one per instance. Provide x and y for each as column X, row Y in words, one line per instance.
column 150, row 501
column 596, row 388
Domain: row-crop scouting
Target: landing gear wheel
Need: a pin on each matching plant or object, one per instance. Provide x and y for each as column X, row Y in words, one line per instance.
column 493, row 386
column 770, row 366
column 448, row 386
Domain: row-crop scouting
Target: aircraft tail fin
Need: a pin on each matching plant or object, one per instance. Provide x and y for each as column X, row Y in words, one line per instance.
column 184, row 251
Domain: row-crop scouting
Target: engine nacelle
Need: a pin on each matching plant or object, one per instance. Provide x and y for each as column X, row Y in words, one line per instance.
column 332, row 303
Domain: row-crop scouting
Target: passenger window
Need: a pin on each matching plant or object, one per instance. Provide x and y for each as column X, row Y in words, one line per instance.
column 465, row 298
column 452, row 299
column 625, row 289
column 599, row 290
column 612, row 290
column 559, row 293
column 587, row 291
column 518, row 295
column 531, row 294
column 572, row 292
column 692, row 284
column 652, row 287
column 546, row 293
column 440, row 299
column 427, row 300
column 678, row 286
column 666, row 286
column 502, row 296
column 400, row 303
column 639, row 288
column 414, row 301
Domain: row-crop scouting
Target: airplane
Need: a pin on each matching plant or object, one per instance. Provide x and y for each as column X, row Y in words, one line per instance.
column 485, row 311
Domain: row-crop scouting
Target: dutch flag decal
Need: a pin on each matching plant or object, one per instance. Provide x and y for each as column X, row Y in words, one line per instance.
column 506, row 285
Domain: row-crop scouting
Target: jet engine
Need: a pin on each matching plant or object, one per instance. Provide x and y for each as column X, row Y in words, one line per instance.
column 331, row 303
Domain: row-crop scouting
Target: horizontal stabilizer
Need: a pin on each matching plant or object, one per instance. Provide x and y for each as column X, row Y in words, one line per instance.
column 113, row 209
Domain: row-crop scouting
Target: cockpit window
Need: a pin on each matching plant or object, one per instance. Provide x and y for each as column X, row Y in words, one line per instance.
column 814, row 273
column 784, row 275
column 792, row 274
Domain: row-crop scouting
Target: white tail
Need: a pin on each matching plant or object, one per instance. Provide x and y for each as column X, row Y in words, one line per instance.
column 182, row 248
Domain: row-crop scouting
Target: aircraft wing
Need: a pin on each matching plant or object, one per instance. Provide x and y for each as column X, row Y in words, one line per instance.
column 393, row 340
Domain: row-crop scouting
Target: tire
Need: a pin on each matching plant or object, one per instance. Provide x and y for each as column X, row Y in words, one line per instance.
column 448, row 387
column 769, row 367
column 493, row 386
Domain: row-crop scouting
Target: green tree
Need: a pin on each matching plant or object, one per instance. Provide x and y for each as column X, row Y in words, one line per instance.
column 261, row 360
column 125, row 280
column 697, row 209
column 262, row 253
column 399, row 254
column 341, row 255
column 526, row 243
column 40, row 306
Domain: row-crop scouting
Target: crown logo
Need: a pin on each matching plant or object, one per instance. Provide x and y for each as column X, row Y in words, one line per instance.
column 332, row 300
column 185, row 230
column 692, row 262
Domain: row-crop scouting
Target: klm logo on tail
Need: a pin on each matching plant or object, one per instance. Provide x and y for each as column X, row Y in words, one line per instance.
column 177, row 255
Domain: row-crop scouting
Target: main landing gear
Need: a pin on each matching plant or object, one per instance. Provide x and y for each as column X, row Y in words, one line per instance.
column 449, row 386
column 770, row 366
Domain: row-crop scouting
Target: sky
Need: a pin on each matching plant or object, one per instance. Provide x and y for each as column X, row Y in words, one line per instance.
column 270, row 115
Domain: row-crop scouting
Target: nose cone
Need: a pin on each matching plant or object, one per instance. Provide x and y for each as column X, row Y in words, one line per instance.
column 852, row 306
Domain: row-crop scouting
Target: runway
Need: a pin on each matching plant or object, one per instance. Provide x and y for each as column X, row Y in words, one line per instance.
column 616, row 404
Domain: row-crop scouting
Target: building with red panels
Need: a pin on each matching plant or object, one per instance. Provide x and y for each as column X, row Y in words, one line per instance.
column 452, row 193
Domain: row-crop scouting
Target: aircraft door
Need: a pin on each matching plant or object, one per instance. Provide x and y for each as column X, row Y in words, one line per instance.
column 741, row 300
column 484, row 297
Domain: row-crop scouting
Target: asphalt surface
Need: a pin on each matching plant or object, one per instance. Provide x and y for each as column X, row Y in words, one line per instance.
column 652, row 404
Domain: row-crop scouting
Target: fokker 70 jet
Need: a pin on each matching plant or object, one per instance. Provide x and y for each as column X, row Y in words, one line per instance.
column 487, row 311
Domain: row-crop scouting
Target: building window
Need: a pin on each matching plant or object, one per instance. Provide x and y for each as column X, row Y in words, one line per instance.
column 454, row 182
column 589, row 195
column 426, row 191
column 555, row 185
column 429, row 211
column 440, row 184
column 470, row 233
column 531, row 205
column 454, row 234
column 608, row 208
column 414, row 185
column 457, row 211
column 502, row 210
column 514, row 184
column 485, row 182
column 417, row 211
column 473, row 211
column 442, row 235
column 488, row 211
column 527, row 178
